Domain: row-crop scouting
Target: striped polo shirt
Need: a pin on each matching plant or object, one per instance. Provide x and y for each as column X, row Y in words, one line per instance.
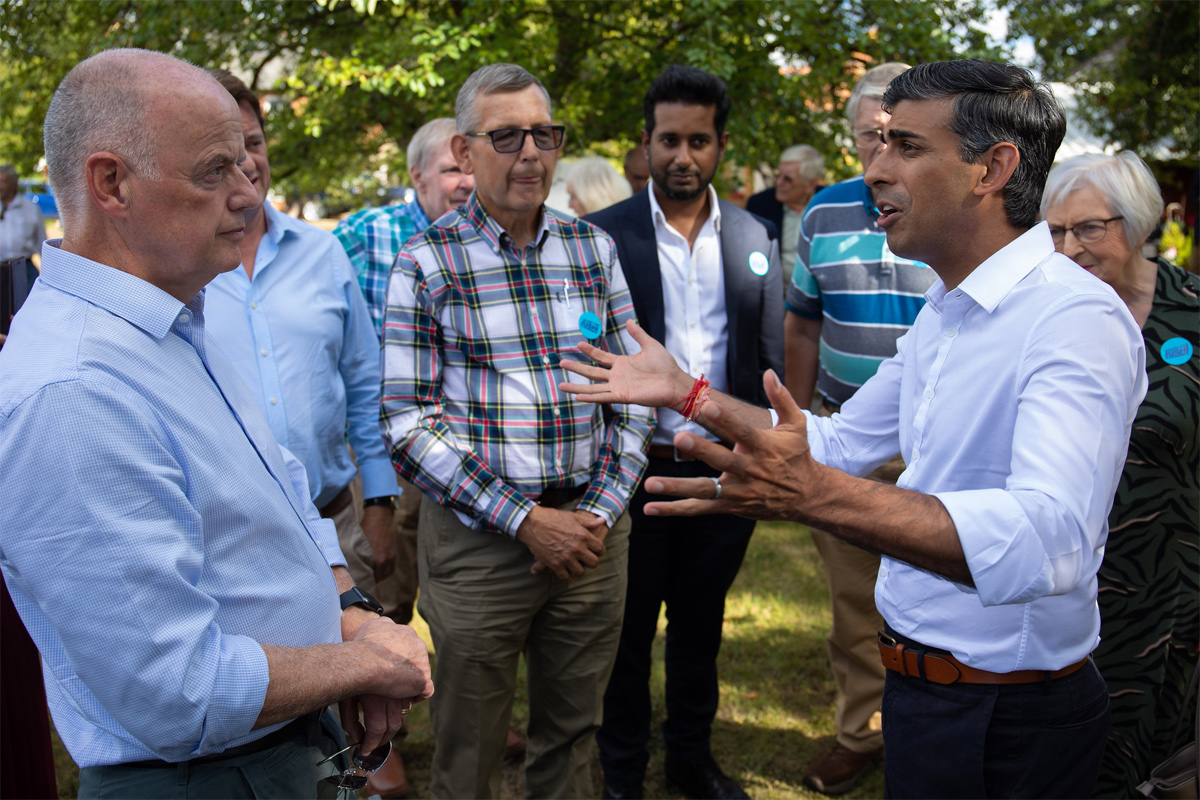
column 845, row 276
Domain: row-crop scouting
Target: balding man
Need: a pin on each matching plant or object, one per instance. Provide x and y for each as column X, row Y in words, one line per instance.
column 185, row 600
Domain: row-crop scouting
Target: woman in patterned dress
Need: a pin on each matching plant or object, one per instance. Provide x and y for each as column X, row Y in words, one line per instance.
column 1100, row 210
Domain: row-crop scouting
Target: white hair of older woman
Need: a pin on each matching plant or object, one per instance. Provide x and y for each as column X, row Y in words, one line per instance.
column 596, row 184
column 1123, row 180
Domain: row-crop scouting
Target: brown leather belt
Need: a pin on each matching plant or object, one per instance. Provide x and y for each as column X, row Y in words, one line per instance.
column 670, row 453
column 295, row 728
column 560, row 495
column 945, row 669
column 339, row 502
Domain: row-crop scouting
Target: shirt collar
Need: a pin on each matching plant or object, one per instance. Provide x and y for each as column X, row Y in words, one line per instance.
column 128, row 297
column 477, row 215
column 417, row 213
column 868, row 200
column 991, row 281
column 714, row 207
column 278, row 223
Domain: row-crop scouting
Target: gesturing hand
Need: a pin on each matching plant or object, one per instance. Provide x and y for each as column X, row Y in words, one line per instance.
column 648, row 378
column 768, row 475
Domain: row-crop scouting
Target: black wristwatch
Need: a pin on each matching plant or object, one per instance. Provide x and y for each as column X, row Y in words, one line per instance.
column 357, row 597
column 388, row 500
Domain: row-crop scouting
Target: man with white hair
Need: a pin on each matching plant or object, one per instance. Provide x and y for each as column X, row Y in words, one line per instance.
column 800, row 174
column 849, row 300
column 185, row 600
column 524, row 547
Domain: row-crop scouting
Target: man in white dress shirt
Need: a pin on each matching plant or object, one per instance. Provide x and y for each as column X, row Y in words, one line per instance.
column 1011, row 398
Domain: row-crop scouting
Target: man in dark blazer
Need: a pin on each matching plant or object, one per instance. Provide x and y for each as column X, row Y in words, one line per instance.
column 706, row 281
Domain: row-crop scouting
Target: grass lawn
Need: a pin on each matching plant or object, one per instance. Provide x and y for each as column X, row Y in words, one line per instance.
column 776, row 711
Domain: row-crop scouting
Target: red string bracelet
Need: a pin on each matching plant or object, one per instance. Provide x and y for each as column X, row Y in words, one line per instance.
column 693, row 400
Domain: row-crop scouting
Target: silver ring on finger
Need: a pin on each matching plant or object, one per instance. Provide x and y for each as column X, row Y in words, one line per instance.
column 717, row 486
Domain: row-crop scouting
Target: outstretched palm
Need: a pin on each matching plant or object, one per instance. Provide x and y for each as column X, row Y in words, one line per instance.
column 649, row 378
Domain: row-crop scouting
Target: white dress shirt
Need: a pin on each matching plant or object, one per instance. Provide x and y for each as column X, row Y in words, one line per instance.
column 1011, row 399
column 693, row 281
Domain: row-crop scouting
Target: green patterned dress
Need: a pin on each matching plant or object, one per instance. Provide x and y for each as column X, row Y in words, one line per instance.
column 1150, row 579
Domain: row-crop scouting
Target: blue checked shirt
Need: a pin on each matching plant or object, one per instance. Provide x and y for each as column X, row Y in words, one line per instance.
column 152, row 531
column 372, row 238
column 472, row 338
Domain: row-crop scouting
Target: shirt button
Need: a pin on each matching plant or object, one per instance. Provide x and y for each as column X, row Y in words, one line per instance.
column 915, row 453
column 264, row 351
column 274, row 401
column 929, row 394
column 557, row 462
column 557, row 412
column 693, row 324
column 254, row 305
column 183, row 317
column 320, row 543
column 950, row 333
column 546, row 360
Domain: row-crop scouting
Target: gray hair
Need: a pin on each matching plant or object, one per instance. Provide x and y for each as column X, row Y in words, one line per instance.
column 597, row 185
column 871, row 84
column 812, row 163
column 426, row 141
column 98, row 107
column 489, row 80
column 1123, row 180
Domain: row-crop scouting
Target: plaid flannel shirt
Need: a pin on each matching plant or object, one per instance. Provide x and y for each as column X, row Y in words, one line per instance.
column 472, row 337
column 372, row 238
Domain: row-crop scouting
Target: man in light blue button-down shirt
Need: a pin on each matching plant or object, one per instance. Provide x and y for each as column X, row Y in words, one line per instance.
column 294, row 323
column 157, row 541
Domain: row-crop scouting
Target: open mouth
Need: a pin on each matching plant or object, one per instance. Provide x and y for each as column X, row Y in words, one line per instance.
column 887, row 213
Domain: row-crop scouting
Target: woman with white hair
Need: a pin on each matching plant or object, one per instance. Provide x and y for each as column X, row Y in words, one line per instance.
column 1100, row 210
column 594, row 185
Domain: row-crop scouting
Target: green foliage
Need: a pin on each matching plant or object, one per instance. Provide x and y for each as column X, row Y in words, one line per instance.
column 1136, row 63
column 350, row 75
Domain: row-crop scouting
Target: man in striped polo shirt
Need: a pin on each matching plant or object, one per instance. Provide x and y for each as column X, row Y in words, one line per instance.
column 850, row 299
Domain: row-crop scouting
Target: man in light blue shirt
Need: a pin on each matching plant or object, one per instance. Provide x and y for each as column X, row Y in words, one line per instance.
column 293, row 322
column 184, row 597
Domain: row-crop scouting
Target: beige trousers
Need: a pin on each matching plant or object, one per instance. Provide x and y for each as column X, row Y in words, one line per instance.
column 485, row 608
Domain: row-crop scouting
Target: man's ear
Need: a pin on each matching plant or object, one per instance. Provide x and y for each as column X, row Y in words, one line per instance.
column 999, row 163
column 645, row 139
column 107, row 183
column 462, row 153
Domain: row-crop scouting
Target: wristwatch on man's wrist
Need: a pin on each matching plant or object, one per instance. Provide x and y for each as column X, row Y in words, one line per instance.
column 357, row 597
column 388, row 500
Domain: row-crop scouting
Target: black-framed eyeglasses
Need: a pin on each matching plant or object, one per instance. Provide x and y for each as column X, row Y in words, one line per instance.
column 511, row 140
column 362, row 767
column 1089, row 231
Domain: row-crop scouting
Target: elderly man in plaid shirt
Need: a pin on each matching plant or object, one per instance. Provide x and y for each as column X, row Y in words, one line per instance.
column 526, row 546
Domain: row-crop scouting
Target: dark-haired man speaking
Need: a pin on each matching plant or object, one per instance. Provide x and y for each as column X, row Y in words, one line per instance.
column 1011, row 398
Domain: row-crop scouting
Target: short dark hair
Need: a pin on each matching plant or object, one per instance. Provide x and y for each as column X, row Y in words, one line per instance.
column 993, row 103
column 241, row 93
column 691, row 86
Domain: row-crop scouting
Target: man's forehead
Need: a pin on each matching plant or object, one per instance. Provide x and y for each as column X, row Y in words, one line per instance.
column 499, row 108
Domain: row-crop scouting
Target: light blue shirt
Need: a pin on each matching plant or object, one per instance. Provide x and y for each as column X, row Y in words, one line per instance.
column 152, row 531
column 1011, row 400
column 301, row 337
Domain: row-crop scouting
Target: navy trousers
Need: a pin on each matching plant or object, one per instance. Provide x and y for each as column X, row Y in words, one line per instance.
column 688, row 563
column 971, row 740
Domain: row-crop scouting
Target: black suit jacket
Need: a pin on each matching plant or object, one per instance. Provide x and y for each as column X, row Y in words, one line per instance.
column 753, row 303
column 766, row 206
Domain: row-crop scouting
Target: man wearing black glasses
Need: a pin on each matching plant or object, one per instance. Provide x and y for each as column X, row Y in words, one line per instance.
column 525, row 547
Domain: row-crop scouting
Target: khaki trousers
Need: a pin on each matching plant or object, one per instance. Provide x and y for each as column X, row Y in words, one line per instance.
column 360, row 561
column 485, row 608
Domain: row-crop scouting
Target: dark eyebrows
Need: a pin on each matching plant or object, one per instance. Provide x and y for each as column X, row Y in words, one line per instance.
column 893, row 133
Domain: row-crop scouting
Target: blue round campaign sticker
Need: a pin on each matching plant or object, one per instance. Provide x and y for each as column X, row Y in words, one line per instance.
column 590, row 325
column 759, row 263
column 1177, row 350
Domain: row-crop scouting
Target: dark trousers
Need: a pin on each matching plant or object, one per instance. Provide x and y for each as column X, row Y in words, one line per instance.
column 688, row 563
column 970, row 740
column 288, row 770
